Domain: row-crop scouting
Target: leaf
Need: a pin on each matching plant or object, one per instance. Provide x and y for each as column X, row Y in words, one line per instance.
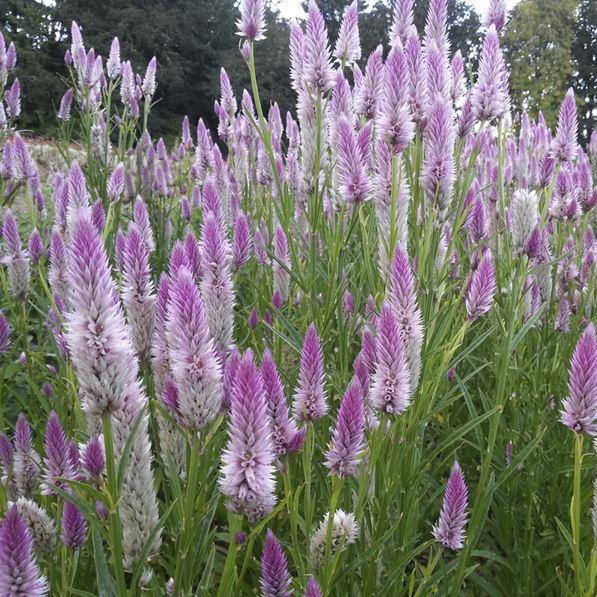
column 106, row 586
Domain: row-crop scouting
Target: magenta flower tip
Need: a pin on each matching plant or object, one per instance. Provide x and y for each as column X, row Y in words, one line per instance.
column 275, row 580
column 449, row 530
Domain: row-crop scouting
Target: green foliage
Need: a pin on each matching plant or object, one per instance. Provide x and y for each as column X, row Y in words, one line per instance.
column 584, row 53
column 537, row 45
column 30, row 25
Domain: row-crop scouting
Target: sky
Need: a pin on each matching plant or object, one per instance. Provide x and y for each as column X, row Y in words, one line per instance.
column 292, row 8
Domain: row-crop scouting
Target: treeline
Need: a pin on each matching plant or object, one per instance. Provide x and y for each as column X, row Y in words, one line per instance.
column 550, row 44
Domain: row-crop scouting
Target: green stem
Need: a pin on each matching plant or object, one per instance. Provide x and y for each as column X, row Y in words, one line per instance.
column 114, row 518
column 575, row 513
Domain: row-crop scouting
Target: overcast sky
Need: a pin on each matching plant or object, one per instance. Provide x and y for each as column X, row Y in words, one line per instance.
column 292, row 8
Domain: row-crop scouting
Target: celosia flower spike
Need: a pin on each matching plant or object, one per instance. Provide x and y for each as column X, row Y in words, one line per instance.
column 449, row 530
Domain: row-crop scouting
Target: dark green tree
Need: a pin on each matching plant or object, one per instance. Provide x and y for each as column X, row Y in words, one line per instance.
column 36, row 35
column 537, row 45
column 584, row 54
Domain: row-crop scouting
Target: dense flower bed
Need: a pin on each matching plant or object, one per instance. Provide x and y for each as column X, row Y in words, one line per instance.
column 342, row 352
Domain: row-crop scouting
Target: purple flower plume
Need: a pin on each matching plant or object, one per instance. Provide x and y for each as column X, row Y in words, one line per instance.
column 93, row 459
column 275, row 580
column 36, row 247
column 15, row 258
column 310, row 398
column 74, row 526
column 565, row 145
column 403, row 300
column 248, row 470
column 97, row 333
column 58, row 464
column 479, row 294
column 390, row 390
column 489, row 96
column 252, row 20
column 449, row 530
column 496, row 15
column 195, row 368
column 4, row 334
column 26, row 468
column 283, row 428
column 394, row 120
column 317, row 67
column 312, row 589
column 352, row 175
column 402, row 19
column 242, row 241
column 19, row 574
column 439, row 169
column 137, row 292
column 217, row 290
column 580, row 407
column 348, row 45
column 348, row 437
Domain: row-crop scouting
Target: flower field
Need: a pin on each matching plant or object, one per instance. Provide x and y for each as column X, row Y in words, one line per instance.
column 345, row 351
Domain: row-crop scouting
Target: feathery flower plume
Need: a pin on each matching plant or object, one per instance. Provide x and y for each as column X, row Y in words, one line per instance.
column 449, row 530
column 252, row 20
column 580, row 407
column 19, row 574
column 436, row 34
column 65, row 105
column 74, row 526
column 16, row 259
column 524, row 214
column 345, row 531
column 281, row 264
column 275, row 580
column 113, row 64
column 283, row 428
column 148, row 86
column 312, row 589
column 352, row 176
column 137, row 292
column 4, row 334
column 402, row 19
column 390, row 387
column 57, row 463
column 39, row 524
column 394, row 121
column 141, row 219
column 481, row 288
column 496, row 15
column 368, row 93
column 217, row 289
column 439, row 170
column 93, row 460
column 97, row 333
column 318, row 74
column 458, row 77
column 310, row 398
column 242, row 241
column 565, row 145
column 35, row 246
column 348, row 45
column 115, row 184
column 248, row 470
column 348, row 438
column 195, row 368
column 489, row 96
column 26, row 465
column 107, row 368
column 403, row 300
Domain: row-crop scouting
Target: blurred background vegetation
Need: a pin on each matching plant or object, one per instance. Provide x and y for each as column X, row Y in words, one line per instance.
column 549, row 45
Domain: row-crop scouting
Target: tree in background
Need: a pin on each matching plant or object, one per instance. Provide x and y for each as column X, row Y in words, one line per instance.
column 584, row 53
column 538, row 48
column 36, row 35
